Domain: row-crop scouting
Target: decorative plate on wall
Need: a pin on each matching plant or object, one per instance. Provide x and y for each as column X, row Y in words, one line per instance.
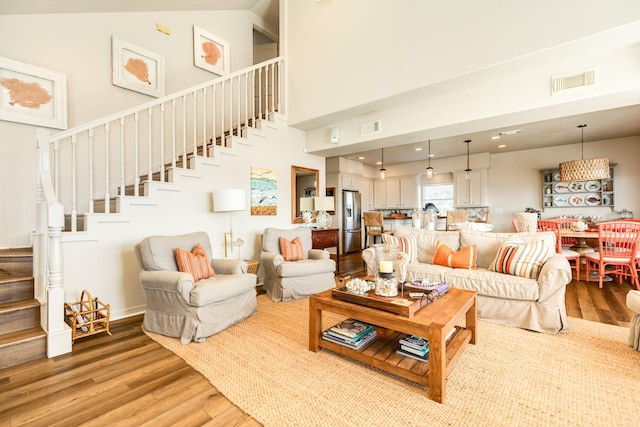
column 576, row 186
column 592, row 186
column 561, row 187
column 592, row 199
column 576, row 201
column 560, row 201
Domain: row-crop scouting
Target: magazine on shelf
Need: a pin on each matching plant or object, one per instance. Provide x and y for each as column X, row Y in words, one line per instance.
column 413, row 356
column 354, row 345
column 422, row 353
column 351, row 328
column 414, row 341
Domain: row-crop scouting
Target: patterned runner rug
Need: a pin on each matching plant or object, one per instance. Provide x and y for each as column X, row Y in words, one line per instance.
column 586, row 377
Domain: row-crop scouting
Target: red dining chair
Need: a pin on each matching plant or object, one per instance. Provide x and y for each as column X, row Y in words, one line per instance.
column 572, row 256
column 565, row 224
column 618, row 246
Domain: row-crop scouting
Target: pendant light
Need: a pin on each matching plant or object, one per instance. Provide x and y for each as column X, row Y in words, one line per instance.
column 467, row 171
column 584, row 169
column 429, row 168
column 382, row 169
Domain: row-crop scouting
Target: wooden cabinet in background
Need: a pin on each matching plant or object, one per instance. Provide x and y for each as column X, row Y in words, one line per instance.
column 324, row 238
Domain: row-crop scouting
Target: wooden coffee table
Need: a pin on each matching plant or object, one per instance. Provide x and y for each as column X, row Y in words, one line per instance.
column 434, row 321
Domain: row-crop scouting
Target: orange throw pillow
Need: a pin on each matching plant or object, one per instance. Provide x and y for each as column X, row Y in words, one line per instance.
column 291, row 251
column 464, row 258
column 195, row 263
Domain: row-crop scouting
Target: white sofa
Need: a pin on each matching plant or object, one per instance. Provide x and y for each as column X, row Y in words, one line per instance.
column 537, row 305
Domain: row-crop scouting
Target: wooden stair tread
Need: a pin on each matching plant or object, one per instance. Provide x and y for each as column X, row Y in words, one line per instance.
column 22, row 336
column 16, row 252
column 8, row 307
column 7, row 277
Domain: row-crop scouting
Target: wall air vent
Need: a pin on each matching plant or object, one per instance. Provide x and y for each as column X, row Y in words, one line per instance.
column 370, row 128
column 573, row 81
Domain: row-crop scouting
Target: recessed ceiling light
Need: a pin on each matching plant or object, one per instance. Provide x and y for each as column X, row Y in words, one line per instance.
column 431, row 155
column 418, row 149
column 495, row 137
column 360, row 157
column 510, row 132
column 502, row 145
column 378, row 163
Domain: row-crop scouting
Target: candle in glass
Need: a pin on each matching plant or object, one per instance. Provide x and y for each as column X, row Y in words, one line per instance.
column 386, row 266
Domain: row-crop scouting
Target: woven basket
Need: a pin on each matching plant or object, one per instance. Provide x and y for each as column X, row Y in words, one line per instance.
column 585, row 169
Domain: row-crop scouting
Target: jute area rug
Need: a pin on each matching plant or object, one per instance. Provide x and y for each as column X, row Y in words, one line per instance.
column 512, row 377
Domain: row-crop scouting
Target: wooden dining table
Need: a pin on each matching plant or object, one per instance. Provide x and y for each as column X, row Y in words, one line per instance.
column 582, row 247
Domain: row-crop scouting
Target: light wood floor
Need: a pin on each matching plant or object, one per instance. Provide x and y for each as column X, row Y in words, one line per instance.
column 128, row 379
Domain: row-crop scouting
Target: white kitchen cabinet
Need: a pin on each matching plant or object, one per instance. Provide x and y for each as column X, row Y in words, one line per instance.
column 366, row 194
column 471, row 192
column 395, row 193
column 408, row 193
column 380, row 195
column 350, row 182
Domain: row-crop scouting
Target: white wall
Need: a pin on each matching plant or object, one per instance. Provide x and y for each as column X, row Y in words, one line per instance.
column 515, row 181
column 346, row 54
column 107, row 267
column 79, row 45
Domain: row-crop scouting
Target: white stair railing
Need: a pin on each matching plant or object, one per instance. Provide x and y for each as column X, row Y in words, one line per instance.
column 72, row 174
column 111, row 156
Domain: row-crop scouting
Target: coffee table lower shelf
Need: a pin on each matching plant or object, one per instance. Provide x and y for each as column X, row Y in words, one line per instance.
column 433, row 322
column 381, row 353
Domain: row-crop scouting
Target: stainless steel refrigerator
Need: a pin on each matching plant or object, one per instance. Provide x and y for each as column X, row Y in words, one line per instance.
column 351, row 222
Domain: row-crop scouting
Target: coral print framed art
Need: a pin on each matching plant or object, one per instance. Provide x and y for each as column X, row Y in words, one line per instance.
column 137, row 69
column 210, row 52
column 32, row 95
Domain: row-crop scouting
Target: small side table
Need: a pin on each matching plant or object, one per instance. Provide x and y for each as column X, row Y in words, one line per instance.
column 323, row 238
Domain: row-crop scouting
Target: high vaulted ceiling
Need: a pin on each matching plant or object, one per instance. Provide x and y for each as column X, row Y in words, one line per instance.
column 603, row 124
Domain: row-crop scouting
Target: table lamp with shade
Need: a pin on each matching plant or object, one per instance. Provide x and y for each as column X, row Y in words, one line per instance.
column 322, row 205
column 306, row 209
column 229, row 200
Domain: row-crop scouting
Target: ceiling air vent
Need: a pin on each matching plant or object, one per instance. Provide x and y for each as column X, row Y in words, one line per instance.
column 370, row 128
column 573, row 81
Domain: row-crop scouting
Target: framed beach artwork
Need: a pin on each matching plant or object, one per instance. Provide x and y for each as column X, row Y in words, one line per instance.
column 210, row 52
column 137, row 69
column 32, row 95
column 264, row 191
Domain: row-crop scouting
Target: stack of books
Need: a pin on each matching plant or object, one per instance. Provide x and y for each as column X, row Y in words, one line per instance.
column 350, row 333
column 414, row 347
column 440, row 289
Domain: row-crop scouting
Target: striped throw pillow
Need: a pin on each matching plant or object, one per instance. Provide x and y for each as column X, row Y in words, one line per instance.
column 522, row 259
column 407, row 244
column 291, row 250
column 464, row 258
column 195, row 263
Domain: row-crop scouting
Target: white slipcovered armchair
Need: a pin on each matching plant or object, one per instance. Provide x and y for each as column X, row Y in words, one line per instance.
column 178, row 306
column 288, row 280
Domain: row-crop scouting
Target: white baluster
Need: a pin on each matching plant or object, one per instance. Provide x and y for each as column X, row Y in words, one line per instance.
column 195, row 126
column 91, row 171
column 136, row 160
column 162, row 168
column 173, row 133
column 184, row 132
column 74, row 209
column 150, row 139
column 122, row 190
column 204, row 122
column 107, row 203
